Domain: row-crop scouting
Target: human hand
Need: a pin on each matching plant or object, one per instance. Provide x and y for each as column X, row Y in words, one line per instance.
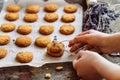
column 84, row 65
column 92, row 40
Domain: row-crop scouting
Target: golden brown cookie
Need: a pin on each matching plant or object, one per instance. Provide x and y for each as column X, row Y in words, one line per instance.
column 3, row 53
column 30, row 17
column 13, row 8
column 70, row 8
column 68, row 18
column 7, row 27
column 23, row 41
column 24, row 57
column 11, row 16
column 32, row 8
column 50, row 17
column 4, row 39
column 67, row 29
column 51, row 7
column 46, row 29
column 24, row 29
column 55, row 49
column 42, row 41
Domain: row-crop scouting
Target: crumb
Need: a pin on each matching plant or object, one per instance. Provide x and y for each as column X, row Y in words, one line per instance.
column 59, row 68
column 47, row 75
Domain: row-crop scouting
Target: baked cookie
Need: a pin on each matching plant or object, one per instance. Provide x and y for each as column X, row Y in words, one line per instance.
column 30, row 17
column 46, row 29
column 4, row 39
column 42, row 41
column 32, row 8
column 12, row 16
column 23, row 41
column 68, row 18
column 50, row 17
column 13, row 8
column 3, row 53
column 24, row 57
column 50, row 7
column 70, row 8
column 55, row 49
column 7, row 27
column 24, row 29
column 67, row 29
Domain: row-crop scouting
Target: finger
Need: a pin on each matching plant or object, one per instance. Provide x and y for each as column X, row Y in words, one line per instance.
column 87, row 47
column 79, row 39
column 83, row 33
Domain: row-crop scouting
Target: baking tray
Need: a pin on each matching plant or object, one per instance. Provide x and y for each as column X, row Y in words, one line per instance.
column 40, row 56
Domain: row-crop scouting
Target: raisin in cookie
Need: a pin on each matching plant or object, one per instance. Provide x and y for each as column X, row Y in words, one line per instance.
column 24, row 29
column 32, row 8
column 13, row 8
column 23, row 41
column 7, row 27
column 3, row 53
column 42, row 41
column 4, row 39
column 70, row 8
column 24, row 57
column 11, row 16
column 46, row 29
column 68, row 18
column 50, row 17
column 51, row 7
column 30, row 17
column 67, row 29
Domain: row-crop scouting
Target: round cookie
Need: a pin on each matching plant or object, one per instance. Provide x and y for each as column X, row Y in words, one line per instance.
column 46, row 29
column 13, row 8
column 68, row 18
column 32, row 8
column 50, row 17
column 4, row 39
column 30, row 17
column 24, row 57
column 55, row 49
column 51, row 7
column 67, row 29
column 24, row 29
column 23, row 41
column 3, row 53
column 11, row 16
column 42, row 41
column 70, row 8
column 7, row 27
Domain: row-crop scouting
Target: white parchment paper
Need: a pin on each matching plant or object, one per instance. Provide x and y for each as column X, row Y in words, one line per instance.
column 40, row 56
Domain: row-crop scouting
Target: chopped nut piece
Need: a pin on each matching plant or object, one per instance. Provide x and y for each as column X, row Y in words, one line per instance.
column 47, row 75
column 59, row 68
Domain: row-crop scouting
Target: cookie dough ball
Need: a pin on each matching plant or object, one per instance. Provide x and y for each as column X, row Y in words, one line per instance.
column 32, row 8
column 7, row 27
column 46, row 29
column 11, row 16
column 51, row 7
column 42, row 41
column 4, row 39
column 30, row 17
column 55, row 49
column 67, row 29
column 3, row 53
column 50, row 17
column 13, row 8
column 24, row 57
column 23, row 41
column 24, row 29
column 68, row 18
column 70, row 8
